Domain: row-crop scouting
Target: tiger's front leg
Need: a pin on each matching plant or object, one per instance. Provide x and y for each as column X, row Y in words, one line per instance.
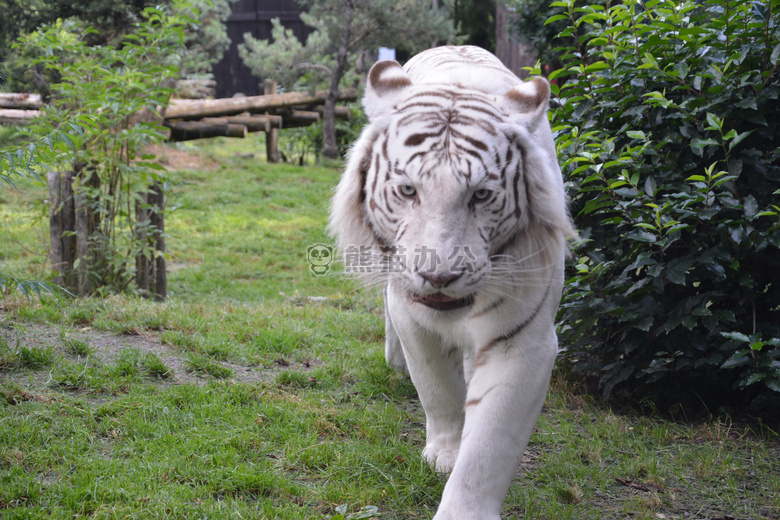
column 394, row 354
column 504, row 399
column 437, row 374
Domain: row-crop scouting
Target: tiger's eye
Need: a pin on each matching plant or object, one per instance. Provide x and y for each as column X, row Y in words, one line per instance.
column 407, row 191
column 482, row 194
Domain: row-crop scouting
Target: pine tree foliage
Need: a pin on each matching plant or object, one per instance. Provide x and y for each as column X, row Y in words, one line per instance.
column 346, row 34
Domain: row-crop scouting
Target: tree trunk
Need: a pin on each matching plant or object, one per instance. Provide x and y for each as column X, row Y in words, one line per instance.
column 330, row 148
column 272, row 134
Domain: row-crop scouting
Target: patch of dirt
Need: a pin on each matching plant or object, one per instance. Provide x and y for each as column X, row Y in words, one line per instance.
column 173, row 158
column 106, row 348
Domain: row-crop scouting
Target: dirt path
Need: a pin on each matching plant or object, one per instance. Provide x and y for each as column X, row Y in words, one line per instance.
column 107, row 347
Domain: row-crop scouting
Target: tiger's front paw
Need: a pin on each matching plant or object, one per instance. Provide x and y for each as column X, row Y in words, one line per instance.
column 461, row 515
column 441, row 459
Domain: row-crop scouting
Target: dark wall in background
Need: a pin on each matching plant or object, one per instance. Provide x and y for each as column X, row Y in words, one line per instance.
column 254, row 17
column 513, row 54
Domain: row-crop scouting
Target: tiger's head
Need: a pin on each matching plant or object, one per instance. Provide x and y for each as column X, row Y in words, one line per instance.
column 451, row 192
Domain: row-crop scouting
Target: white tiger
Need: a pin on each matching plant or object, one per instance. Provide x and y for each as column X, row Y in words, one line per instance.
column 455, row 189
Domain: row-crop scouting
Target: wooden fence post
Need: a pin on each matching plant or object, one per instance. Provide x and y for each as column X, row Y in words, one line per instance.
column 62, row 226
column 73, row 222
column 151, row 277
column 142, row 268
column 272, row 135
column 82, row 213
column 158, row 223
column 56, row 254
column 86, row 221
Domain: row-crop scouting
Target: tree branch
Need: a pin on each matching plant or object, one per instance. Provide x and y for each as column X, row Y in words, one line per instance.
column 314, row 66
column 363, row 35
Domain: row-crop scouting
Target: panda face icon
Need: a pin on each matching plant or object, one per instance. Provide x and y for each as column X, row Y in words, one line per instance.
column 319, row 257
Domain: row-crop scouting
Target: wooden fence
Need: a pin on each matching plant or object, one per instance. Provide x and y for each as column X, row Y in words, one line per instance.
column 70, row 219
column 237, row 116
column 188, row 119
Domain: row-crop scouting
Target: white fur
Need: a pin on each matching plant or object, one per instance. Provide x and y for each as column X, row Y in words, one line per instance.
column 481, row 394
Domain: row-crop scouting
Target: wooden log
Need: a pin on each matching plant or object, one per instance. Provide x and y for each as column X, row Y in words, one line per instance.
column 274, row 121
column 252, row 124
column 298, row 118
column 342, row 112
column 196, row 109
column 20, row 101
column 262, row 123
column 13, row 117
column 272, row 135
column 189, row 130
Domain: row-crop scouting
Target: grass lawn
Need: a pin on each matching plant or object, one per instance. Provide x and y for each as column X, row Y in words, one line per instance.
column 258, row 390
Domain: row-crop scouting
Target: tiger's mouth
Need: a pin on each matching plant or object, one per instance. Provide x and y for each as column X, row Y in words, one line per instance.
column 441, row 302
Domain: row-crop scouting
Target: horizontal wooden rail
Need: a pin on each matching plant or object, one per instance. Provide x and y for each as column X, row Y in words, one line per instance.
column 14, row 117
column 20, row 101
column 197, row 109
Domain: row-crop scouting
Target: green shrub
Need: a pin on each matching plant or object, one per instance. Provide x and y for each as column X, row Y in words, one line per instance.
column 667, row 126
column 102, row 115
column 531, row 24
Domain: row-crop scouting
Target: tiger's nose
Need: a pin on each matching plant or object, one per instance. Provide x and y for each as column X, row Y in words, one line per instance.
column 440, row 280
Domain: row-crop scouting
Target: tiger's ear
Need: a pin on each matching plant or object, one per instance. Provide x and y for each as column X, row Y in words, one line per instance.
column 387, row 82
column 528, row 101
column 527, row 104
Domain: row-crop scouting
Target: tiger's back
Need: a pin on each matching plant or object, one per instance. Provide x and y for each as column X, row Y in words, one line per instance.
column 467, row 66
